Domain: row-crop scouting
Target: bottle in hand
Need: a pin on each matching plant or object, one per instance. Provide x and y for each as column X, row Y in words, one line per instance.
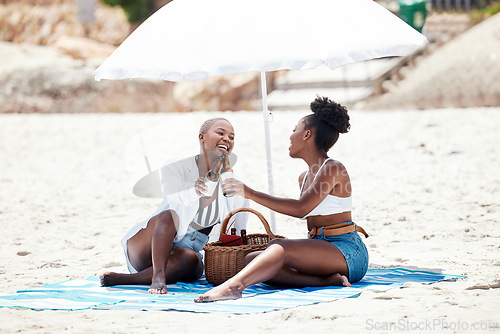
column 212, row 177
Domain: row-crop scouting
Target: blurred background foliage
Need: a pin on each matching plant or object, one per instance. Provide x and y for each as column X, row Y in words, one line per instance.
column 482, row 13
column 137, row 10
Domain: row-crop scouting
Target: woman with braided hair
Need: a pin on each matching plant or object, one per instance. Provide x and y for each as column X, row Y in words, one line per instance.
column 334, row 253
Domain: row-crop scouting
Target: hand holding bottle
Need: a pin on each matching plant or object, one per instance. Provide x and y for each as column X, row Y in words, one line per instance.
column 206, row 186
column 200, row 187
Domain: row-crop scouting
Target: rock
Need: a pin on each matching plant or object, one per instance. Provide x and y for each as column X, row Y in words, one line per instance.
column 15, row 57
column 83, row 48
column 73, row 90
column 232, row 92
column 42, row 79
column 48, row 67
column 41, row 22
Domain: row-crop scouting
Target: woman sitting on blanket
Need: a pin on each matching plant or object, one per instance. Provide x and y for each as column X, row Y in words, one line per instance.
column 334, row 254
column 165, row 248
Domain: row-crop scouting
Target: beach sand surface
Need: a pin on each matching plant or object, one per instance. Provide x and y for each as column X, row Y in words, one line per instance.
column 425, row 186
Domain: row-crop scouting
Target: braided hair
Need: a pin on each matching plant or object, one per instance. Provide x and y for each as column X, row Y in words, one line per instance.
column 329, row 119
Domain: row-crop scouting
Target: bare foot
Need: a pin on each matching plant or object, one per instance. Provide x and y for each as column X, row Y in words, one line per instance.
column 338, row 280
column 222, row 292
column 111, row 279
column 158, row 286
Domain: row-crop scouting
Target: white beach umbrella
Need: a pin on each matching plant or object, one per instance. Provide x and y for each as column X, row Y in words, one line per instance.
column 195, row 39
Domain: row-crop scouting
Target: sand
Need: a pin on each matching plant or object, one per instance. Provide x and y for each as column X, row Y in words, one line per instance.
column 425, row 185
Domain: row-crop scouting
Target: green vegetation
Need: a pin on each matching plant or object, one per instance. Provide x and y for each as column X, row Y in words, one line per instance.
column 478, row 15
column 136, row 10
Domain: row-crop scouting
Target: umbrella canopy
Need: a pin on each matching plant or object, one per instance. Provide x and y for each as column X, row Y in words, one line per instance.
column 195, row 39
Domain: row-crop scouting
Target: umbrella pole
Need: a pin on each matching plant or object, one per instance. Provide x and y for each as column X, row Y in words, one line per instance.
column 145, row 155
column 265, row 114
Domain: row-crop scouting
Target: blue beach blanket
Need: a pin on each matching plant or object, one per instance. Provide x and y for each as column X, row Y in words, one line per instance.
column 79, row 294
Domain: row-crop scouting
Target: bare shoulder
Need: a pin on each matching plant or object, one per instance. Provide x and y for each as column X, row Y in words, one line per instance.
column 301, row 178
column 335, row 168
column 334, row 165
column 336, row 173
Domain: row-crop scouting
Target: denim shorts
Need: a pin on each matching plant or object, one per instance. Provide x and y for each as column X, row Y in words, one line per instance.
column 193, row 240
column 354, row 251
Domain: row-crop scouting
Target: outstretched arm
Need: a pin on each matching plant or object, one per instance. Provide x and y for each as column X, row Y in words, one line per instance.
column 309, row 199
column 287, row 206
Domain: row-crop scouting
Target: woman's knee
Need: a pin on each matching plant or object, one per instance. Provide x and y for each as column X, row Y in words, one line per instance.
column 250, row 256
column 165, row 219
column 279, row 242
column 188, row 258
column 276, row 248
column 188, row 262
column 165, row 216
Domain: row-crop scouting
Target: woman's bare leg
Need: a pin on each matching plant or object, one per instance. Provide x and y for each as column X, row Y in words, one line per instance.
column 184, row 265
column 142, row 278
column 161, row 247
column 288, row 277
column 151, row 248
column 307, row 257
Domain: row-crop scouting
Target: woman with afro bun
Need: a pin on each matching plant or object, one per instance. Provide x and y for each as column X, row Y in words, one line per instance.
column 334, row 253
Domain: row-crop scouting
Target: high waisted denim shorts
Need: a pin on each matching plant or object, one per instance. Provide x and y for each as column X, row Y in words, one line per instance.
column 354, row 251
column 193, row 240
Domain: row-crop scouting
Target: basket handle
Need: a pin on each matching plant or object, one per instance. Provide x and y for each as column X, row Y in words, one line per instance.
column 257, row 213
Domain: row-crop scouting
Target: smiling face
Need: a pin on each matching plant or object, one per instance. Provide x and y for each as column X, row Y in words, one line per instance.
column 219, row 137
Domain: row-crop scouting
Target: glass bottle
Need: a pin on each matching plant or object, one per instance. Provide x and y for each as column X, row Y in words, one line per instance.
column 244, row 236
column 212, row 177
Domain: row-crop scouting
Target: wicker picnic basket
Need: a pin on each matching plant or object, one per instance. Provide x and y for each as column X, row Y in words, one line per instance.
column 223, row 262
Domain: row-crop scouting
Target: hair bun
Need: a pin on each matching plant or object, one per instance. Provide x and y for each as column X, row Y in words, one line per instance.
column 332, row 113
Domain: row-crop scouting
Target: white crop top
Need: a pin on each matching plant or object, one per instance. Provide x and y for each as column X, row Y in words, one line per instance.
column 331, row 204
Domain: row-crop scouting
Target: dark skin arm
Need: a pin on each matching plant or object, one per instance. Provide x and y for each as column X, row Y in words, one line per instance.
column 328, row 181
